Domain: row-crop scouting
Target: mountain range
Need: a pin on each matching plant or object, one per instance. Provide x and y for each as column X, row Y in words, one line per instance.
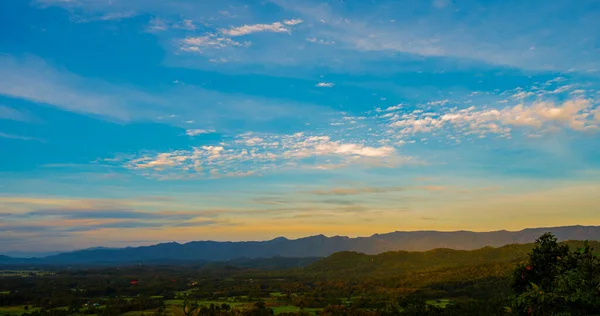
column 313, row 246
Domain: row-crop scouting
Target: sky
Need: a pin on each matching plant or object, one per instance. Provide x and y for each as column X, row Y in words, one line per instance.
column 133, row 122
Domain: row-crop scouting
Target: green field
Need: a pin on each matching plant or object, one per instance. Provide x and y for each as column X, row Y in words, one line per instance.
column 293, row 309
column 14, row 310
column 439, row 303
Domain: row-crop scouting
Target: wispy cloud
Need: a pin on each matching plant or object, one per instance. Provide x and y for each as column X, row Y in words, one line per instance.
column 325, row 84
column 198, row 43
column 320, row 41
column 195, row 132
column 110, row 16
column 8, row 113
column 160, row 25
column 157, row 25
column 18, row 137
column 275, row 27
column 428, row 30
column 32, row 79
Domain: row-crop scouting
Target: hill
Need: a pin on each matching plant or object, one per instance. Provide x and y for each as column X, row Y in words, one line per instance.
column 396, row 263
column 316, row 246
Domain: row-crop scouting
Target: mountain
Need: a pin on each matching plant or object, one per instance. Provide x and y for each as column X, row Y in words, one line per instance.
column 27, row 254
column 316, row 246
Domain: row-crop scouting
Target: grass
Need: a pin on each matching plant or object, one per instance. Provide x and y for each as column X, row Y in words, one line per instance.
column 439, row 303
column 136, row 313
column 15, row 310
column 292, row 309
column 276, row 294
column 4, row 292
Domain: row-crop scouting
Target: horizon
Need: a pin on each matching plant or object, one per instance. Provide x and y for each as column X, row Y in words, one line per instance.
column 30, row 254
column 134, row 122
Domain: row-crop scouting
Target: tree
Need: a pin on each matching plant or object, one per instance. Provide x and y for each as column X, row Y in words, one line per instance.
column 556, row 280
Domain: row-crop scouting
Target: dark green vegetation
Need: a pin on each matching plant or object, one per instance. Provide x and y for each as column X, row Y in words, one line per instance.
column 545, row 278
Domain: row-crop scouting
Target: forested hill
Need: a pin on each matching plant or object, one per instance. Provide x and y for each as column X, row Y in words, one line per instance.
column 394, row 263
column 316, row 246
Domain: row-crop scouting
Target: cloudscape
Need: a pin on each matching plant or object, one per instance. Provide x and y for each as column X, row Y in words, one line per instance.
column 136, row 122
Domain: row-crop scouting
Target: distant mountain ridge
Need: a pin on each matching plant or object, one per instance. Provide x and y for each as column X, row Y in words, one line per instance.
column 313, row 246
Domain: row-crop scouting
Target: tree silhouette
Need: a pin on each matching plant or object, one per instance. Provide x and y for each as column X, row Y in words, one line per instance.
column 556, row 280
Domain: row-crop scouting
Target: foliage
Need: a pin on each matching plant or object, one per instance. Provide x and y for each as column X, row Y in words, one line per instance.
column 556, row 280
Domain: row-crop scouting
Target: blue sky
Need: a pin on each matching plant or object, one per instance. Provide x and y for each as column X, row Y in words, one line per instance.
column 134, row 122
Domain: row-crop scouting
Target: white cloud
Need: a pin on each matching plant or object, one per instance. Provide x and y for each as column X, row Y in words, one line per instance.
column 157, row 25
column 561, row 89
column 257, row 154
column 523, row 95
column 194, row 132
column 292, row 22
column 572, row 114
column 320, row 41
column 395, row 107
column 196, row 44
column 160, row 25
column 117, row 15
column 325, row 84
column 276, row 27
column 440, row 102
column 186, row 25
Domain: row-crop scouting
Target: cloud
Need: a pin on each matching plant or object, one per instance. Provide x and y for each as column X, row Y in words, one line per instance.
column 110, row 16
column 194, row 132
column 7, row 113
column 186, row 25
column 110, row 213
column 275, row 27
column 439, row 102
column 160, row 25
column 117, row 15
column 320, row 41
column 573, row 114
column 250, row 154
column 198, row 43
column 32, row 79
column 364, row 33
column 394, row 107
column 523, row 94
column 157, row 25
column 356, row 191
column 18, row 137
column 325, row 84
column 440, row 4
column 427, row 30
column 292, row 22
